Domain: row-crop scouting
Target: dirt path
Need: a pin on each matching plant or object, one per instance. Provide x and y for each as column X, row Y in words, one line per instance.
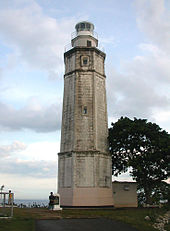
column 82, row 225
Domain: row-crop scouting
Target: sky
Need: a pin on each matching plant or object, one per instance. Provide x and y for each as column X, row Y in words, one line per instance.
column 135, row 36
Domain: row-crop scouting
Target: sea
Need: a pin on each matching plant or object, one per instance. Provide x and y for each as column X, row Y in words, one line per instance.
column 31, row 203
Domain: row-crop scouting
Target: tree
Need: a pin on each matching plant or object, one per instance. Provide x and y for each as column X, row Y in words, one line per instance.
column 144, row 148
column 160, row 192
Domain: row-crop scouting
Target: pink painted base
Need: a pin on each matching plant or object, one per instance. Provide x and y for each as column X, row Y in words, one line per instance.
column 86, row 197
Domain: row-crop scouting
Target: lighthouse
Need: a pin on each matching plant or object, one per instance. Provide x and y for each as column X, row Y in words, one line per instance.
column 84, row 161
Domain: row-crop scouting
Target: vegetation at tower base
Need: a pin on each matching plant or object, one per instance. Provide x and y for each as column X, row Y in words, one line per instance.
column 142, row 148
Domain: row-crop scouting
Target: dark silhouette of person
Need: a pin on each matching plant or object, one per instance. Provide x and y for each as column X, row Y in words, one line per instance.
column 51, row 201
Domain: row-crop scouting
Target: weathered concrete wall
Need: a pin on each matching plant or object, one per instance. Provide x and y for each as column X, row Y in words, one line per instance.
column 84, row 88
column 101, row 114
column 67, row 135
column 81, row 40
column 84, row 169
column 65, row 172
column 84, row 123
column 124, row 194
column 84, row 173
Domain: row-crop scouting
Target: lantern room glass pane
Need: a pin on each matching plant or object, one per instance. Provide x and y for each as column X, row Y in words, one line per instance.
column 88, row 26
column 82, row 26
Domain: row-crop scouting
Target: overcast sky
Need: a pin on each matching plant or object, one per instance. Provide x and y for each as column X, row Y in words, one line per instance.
column 135, row 35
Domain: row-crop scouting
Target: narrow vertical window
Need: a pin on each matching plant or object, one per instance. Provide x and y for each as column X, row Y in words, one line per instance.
column 85, row 61
column 84, row 110
column 88, row 43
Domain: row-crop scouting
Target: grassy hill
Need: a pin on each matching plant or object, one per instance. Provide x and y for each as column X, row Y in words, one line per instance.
column 24, row 218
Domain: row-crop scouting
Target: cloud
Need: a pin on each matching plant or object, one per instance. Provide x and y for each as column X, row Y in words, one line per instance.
column 36, row 169
column 123, row 177
column 16, row 146
column 27, row 187
column 143, row 86
column 45, row 150
column 12, row 164
column 33, row 116
column 154, row 20
column 134, row 94
column 37, row 40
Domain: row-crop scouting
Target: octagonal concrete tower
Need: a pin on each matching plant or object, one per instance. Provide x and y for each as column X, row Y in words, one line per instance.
column 84, row 163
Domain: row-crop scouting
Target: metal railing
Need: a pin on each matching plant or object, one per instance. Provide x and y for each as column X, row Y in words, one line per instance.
column 69, row 47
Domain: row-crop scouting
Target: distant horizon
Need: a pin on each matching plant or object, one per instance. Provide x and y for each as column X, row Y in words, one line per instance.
column 29, row 199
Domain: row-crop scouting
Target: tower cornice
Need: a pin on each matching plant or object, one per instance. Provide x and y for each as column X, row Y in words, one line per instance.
column 90, row 152
column 85, row 71
column 75, row 49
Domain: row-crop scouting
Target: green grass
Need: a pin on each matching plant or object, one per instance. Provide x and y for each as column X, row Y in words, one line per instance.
column 17, row 225
column 133, row 217
column 24, row 219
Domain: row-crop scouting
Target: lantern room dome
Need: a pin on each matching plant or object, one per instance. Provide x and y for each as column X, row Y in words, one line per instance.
column 84, row 26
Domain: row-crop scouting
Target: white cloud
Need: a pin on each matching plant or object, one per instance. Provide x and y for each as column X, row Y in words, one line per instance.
column 143, row 87
column 34, row 116
column 154, row 20
column 123, row 177
column 37, row 39
column 163, row 119
column 45, row 150
column 38, row 160
column 36, row 169
column 27, row 187
column 134, row 94
column 16, row 146
column 162, row 116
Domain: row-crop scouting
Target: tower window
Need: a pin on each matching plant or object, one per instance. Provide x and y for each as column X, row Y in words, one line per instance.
column 85, row 61
column 85, row 110
column 88, row 43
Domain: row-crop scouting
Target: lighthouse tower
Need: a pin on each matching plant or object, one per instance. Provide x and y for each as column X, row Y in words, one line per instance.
column 84, row 163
